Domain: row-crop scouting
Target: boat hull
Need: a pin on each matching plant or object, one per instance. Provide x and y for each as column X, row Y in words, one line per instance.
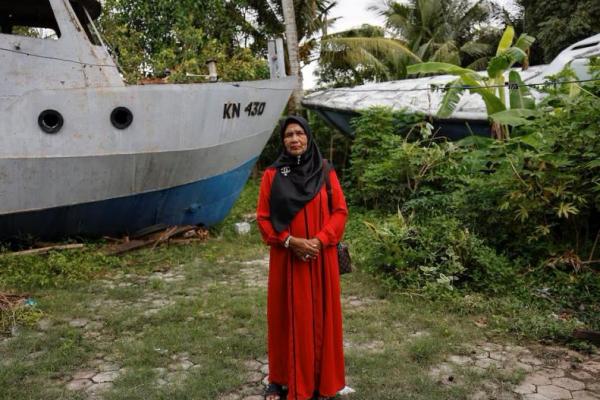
column 205, row 202
column 183, row 159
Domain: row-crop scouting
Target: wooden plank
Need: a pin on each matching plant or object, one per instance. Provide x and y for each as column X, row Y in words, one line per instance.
column 590, row 336
column 165, row 236
column 127, row 246
column 149, row 230
column 42, row 250
column 153, row 240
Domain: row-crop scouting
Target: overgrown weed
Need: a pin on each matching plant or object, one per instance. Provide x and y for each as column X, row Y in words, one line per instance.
column 510, row 223
column 55, row 269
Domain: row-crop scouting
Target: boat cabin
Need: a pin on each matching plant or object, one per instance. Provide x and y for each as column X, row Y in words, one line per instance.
column 52, row 44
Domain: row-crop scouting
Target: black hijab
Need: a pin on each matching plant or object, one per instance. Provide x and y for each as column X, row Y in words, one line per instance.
column 297, row 180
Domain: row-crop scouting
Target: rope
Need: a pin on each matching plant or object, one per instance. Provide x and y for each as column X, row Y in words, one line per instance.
column 55, row 58
column 435, row 87
column 432, row 87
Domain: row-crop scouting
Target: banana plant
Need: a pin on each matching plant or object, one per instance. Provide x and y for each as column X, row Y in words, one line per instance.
column 491, row 88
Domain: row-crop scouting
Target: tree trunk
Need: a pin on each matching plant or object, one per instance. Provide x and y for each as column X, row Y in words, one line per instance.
column 291, row 33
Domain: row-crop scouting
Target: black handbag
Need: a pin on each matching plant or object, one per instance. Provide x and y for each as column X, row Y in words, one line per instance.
column 343, row 253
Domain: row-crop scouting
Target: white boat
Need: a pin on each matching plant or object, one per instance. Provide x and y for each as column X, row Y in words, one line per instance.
column 338, row 106
column 81, row 152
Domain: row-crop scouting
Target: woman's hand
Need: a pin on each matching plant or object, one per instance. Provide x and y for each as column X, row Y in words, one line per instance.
column 305, row 249
column 316, row 243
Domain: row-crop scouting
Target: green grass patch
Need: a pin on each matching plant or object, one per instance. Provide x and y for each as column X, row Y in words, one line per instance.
column 394, row 337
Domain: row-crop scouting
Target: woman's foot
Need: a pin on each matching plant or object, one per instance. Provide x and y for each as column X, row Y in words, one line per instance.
column 321, row 397
column 274, row 391
column 317, row 396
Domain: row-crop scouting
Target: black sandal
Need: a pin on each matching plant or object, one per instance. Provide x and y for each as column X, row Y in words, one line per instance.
column 275, row 389
column 317, row 396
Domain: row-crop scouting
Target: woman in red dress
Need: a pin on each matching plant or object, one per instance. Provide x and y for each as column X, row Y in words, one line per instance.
column 304, row 314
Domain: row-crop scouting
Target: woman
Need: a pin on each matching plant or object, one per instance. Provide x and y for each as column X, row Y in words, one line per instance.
column 303, row 311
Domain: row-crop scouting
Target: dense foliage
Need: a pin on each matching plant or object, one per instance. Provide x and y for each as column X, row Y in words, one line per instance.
column 460, row 32
column 453, row 31
column 154, row 39
column 57, row 269
column 519, row 216
column 362, row 54
column 150, row 39
column 557, row 24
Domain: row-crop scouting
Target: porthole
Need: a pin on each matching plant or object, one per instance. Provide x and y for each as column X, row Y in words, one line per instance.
column 50, row 121
column 121, row 117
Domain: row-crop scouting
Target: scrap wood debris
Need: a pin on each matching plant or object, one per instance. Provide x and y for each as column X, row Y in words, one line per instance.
column 157, row 235
column 9, row 301
column 15, row 310
column 47, row 248
column 590, row 336
column 250, row 217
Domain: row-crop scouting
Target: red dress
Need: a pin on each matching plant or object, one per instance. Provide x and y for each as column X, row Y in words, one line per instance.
column 304, row 311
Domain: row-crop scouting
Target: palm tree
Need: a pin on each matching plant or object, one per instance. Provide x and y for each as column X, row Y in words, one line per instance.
column 442, row 30
column 291, row 34
column 362, row 54
column 433, row 30
column 303, row 20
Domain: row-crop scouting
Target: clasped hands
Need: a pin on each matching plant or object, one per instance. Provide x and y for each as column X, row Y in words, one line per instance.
column 305, row 249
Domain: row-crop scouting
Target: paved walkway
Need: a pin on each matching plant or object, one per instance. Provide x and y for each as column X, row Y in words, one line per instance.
column 552, row 373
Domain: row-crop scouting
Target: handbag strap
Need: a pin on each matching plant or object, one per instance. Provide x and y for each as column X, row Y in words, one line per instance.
column 328, row 167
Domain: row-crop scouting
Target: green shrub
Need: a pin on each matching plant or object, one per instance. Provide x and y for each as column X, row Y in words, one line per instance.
column 56, row 269
column 425, row 349
column 392, row 157
column 517, row 217
column 535, row 195
column 437, row 253
column 20, row 315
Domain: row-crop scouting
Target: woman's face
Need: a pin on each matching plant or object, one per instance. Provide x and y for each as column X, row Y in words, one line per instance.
column 295, row 140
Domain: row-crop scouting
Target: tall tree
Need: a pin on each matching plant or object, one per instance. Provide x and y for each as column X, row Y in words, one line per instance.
column 557, row 24
column 362, row 54
column 180, row 35
column 443, row 30
column 459, row 32
column 291, row 33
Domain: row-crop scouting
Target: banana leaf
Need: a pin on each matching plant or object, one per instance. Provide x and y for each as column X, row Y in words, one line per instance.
column 451, row 98
column 520, row 95
column 506, row 40
column 514, row 117
column 524, row 41
column 492, row 102
column 437, row 68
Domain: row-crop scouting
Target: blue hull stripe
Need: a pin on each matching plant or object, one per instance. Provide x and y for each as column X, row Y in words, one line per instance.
column 206, row 202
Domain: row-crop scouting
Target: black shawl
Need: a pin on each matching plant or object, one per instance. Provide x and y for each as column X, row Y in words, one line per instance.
column 297, row 180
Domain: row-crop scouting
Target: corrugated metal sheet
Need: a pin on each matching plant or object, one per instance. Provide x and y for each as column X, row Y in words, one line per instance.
column 417, row 95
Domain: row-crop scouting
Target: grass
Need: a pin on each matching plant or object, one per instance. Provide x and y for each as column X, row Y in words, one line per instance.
column 215, row 313
column 202, row 325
